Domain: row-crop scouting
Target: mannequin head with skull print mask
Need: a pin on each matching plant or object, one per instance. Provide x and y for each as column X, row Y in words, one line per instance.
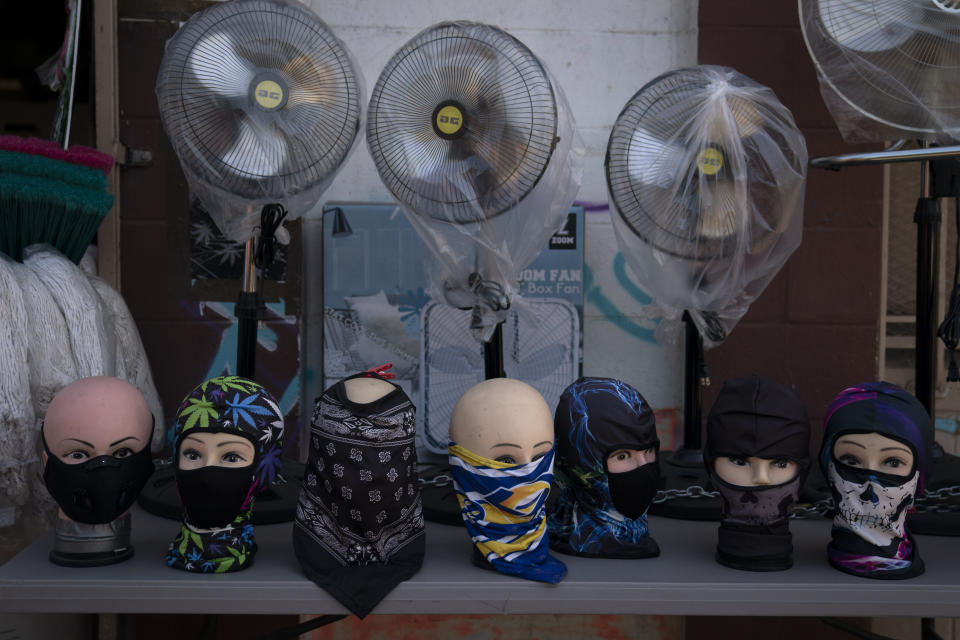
column 875, row 456
column 757, row 454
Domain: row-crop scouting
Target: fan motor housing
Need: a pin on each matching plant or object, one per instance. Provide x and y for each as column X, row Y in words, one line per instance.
column 269, row 91
column 449, row 120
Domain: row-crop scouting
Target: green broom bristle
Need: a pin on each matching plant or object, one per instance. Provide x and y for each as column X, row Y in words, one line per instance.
column 37, row 209
column 29, row 164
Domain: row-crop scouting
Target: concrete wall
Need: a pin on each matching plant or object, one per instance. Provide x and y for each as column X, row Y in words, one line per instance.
column 600, row 53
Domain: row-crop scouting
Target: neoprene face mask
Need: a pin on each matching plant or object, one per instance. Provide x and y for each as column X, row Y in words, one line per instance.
column 869, row 536
column 756, row 421
column 98, row 490
column 599, row 513
column 216, row 535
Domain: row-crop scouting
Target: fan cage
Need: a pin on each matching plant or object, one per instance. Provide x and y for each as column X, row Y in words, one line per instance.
column 511, row 131
column 317, row 125
column 666, row 213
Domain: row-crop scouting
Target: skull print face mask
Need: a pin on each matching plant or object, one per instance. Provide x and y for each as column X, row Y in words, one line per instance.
column 869, row 535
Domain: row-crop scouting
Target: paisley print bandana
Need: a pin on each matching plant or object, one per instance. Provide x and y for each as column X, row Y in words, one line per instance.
column 228, row 404
column 503, row 508
column 359, row 526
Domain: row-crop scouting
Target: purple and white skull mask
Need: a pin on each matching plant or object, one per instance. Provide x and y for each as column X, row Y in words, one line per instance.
column 871, row 504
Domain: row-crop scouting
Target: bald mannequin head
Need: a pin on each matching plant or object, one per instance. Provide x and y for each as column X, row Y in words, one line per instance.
column 97, row 416
column 503, row 419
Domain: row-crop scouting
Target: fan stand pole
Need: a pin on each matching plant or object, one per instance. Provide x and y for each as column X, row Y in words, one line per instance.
column 927, row 218
column 493, row 354
column 248, row 315
column 683, row 469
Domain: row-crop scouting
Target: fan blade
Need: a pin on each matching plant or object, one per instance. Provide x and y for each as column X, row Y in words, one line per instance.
column 868, row 26
column 216, row 65
column 719, row 209
column 258, row 151
column 455, row 359
column 653, row 161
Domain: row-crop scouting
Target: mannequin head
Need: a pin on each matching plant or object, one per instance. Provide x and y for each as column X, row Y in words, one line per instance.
column 96, row 436
column 875, row 452
column 228, row 437
column 755, row 472
column 94, row 417
column 504, row 420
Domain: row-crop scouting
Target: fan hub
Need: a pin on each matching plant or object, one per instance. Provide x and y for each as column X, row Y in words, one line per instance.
column 710, row 161
column 269, row 91
column 449, row 120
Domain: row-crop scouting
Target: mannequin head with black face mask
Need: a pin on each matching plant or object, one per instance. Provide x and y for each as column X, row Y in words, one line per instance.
column 608, row 471
column 757, row 455
column 228, row 440
column 876, row 458
column 96, row 437
column 501, row 459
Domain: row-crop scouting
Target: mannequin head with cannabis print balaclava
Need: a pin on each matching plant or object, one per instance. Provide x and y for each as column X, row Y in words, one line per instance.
column 228, row 440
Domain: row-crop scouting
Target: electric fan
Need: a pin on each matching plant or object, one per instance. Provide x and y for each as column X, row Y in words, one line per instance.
column 261, row 103
column 888, row 70
column 706, row 171
column 474, row 140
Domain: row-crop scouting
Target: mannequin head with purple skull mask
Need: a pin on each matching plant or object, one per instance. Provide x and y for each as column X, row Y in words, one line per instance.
column 876, row 458
column 757, row 455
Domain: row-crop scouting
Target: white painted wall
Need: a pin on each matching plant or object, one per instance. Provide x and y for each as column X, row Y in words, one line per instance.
column 601, row 52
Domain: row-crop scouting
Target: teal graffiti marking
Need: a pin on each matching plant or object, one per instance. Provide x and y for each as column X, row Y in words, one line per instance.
column 594, row 294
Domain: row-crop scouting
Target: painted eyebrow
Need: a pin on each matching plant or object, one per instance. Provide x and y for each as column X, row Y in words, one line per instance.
column 195, row 438
column 851, row 442
column 223, row 444
column 506, row 444
column 550, row 442
column 84, row 442
column 904, row 449
column 112, row 444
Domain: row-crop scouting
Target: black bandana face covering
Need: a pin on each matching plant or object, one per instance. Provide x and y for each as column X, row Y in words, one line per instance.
column 98, row 490
column 359, row 525
column 755, row 417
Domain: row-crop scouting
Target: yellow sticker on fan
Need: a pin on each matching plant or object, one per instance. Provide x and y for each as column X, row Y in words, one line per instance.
column 268, row 94
column 449, row 119
column 710, row 161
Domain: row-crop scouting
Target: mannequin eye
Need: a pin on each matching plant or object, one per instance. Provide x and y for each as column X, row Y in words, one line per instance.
column 190, row 454
column 123, row 452
column 506, row 459
column 233, row 457
column 894, row 462
column 77, row 454
column 850, row 460
column 740, row 462
column 781, row 463
column 620, row 455
column 538, row 456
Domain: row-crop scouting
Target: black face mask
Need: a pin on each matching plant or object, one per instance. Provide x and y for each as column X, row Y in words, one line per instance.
column 99, row 490
column 213, row 496
column 633, row 491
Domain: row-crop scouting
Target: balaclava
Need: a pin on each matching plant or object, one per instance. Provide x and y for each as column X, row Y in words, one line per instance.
column 359, row 526
column 599, row 513
column 869, row 533
column 754, row 417
column 216, row 535
column 504, row 510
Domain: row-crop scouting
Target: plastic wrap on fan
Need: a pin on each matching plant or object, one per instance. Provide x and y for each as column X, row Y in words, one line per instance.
column 485, row 203
column 887, row 68
column 262, row 104
column 706, row 170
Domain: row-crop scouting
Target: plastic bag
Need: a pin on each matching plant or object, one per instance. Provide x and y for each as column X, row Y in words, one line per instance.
column 887, row 68
column 707, row 172
column 487, row 187
column 261, row 103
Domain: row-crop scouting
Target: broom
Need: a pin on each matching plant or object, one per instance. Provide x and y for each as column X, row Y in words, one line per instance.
column 51, row 195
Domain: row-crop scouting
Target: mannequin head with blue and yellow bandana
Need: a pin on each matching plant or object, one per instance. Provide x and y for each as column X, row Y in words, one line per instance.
column 501, row 459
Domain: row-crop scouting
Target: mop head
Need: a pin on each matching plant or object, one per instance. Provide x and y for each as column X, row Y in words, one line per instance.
column 48, row 200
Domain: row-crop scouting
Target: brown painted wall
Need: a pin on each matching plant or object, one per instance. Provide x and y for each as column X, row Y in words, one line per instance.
column 815, row 327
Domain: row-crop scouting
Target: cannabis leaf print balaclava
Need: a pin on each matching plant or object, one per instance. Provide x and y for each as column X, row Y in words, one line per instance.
column 216, row 535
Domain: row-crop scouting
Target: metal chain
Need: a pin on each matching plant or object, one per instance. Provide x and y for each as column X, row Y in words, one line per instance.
column 693, row 491
column 938, row 501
